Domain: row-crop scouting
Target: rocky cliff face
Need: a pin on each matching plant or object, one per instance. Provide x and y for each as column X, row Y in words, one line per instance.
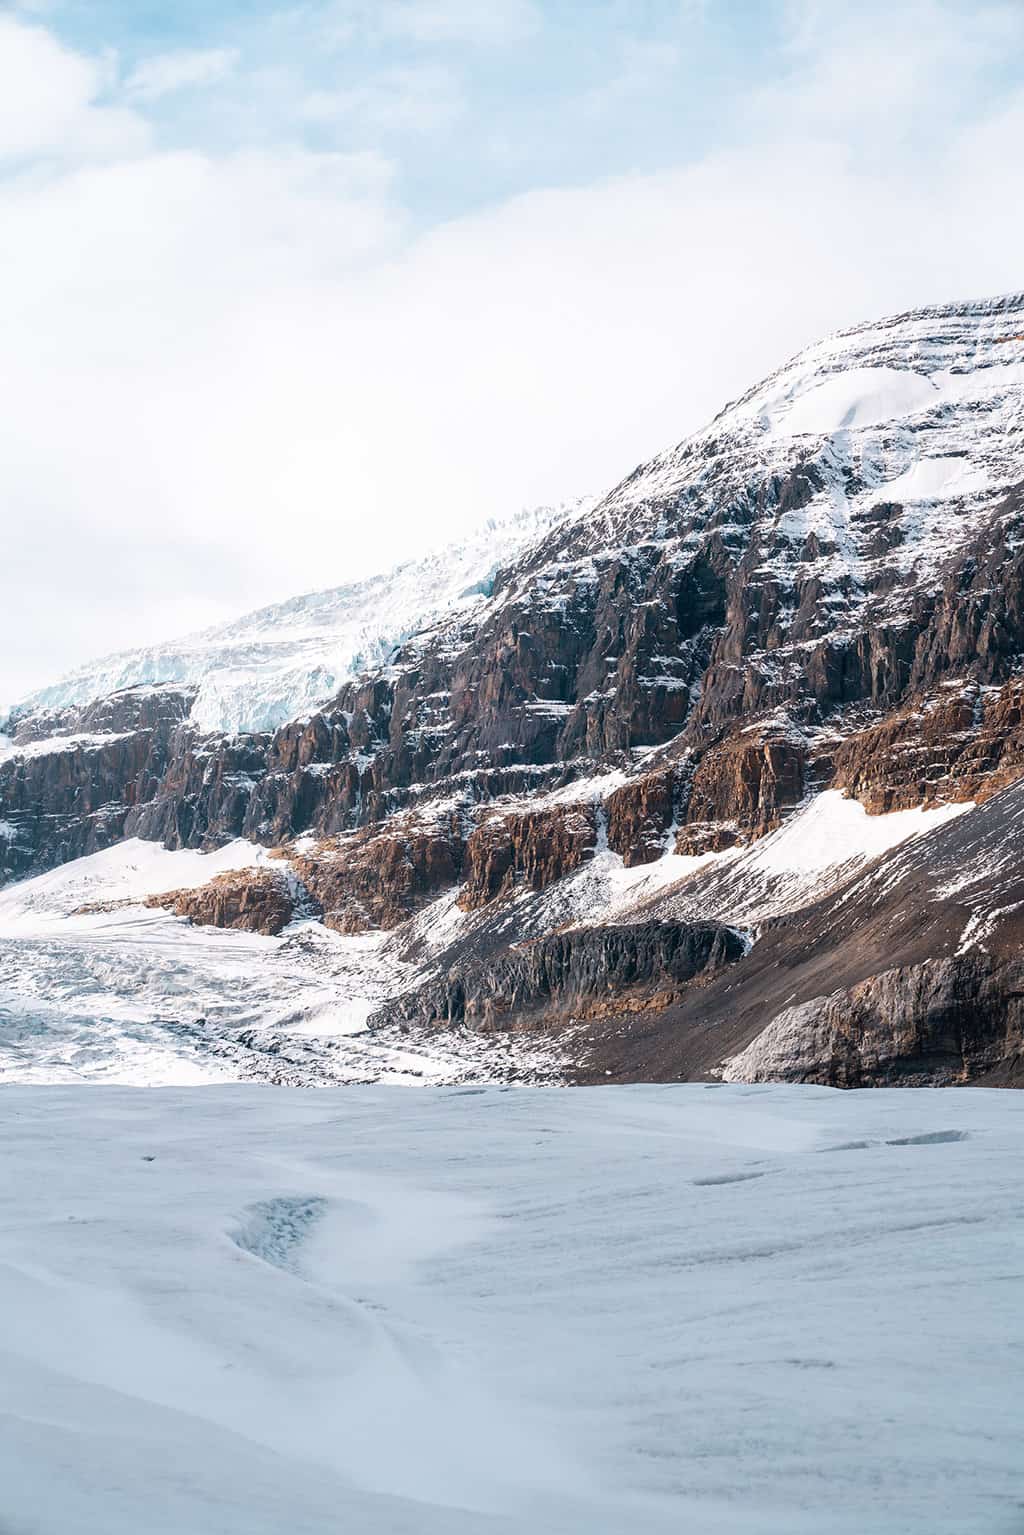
column 567, row 977
column 378, row 877
column 529, row 848
column 69, row 779
column 944, row 1022
column 823, row 588
column 249, row 900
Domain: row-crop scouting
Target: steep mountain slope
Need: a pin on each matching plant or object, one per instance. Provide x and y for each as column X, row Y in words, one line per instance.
column 821, row 594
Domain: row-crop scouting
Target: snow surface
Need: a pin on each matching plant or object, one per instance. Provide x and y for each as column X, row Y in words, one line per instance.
column 856, row 397
column 80, row 741
column 127, row 872
column 259, row 671
column 831, row 831
column 815, row 850
column 755, row 1311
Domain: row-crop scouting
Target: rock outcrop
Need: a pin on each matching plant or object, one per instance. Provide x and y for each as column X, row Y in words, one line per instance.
column 942, row 1023
column 964, row 743
column 565, row 977
column 377, row 878
column 250, row 900
column 742, row 789
column 71, row 779
column 528, row 849
column 641, row 816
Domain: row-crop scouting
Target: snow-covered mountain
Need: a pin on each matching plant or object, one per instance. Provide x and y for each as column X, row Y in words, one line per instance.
column 846, row 480
column 257, row 671
column 644, row 798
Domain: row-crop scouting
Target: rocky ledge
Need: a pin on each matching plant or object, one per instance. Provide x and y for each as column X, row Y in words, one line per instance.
column 249, row 900
column 941, row 1023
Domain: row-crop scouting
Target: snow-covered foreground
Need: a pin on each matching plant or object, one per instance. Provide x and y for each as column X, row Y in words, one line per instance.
column 247, row 1311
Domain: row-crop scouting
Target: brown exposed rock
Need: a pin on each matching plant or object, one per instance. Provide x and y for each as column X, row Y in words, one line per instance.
column 746, row 782
column 962, row 743
column 700, row 837
column 251, row 900
column 529, row 849
column 377, row 878
column 640, row 817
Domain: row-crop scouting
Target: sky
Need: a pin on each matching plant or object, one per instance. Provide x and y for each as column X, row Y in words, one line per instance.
column 292, row 291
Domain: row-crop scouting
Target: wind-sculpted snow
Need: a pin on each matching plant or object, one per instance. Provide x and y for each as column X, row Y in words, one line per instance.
column 261, row 670
column 735, row 1311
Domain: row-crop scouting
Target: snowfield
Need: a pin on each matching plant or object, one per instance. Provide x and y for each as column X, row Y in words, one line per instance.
column 246, row 1311
column 97, row 987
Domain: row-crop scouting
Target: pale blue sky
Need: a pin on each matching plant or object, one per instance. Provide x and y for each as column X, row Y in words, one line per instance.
column 291, row 291
column 473, row 99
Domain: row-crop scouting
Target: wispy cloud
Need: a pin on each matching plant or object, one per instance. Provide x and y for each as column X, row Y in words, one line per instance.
column 642, row 67
column 440, row 21
column 475, row 22
column 412, row 100
column 876, row 70
column 185, row 69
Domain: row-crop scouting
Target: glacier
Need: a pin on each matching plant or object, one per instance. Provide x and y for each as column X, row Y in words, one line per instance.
column 256, row 672
column 731, row 1310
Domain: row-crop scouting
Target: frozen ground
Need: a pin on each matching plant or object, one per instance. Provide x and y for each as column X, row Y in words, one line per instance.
column 247, row 1311
column 97, row 987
